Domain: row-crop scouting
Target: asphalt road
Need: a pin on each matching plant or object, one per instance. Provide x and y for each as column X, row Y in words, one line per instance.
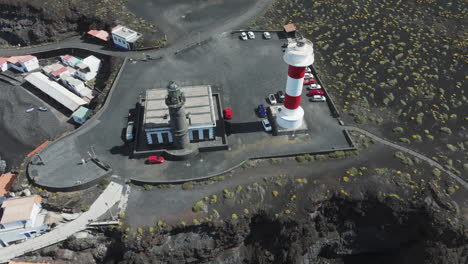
column 210, row 30
column 185, row 18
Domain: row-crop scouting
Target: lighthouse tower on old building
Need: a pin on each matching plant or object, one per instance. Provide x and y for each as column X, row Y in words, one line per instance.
column 299, row 54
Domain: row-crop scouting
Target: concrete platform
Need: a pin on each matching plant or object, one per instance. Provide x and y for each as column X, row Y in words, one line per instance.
column 281, row 131
column 243, row 73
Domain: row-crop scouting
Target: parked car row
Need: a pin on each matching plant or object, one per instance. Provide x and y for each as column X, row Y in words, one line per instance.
column 251, row 35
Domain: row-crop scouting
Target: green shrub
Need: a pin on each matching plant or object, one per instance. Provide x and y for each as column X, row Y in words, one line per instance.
column 465, row 166
column 404, row 140
column 234, row 216
column 147, row 187
column 246, row 165
column 398, row 130
column 405, row 160
column 275, row 193
column 103, row 184
column 187, row 186
column 227, row 193
column 436, row 172
column 198, row 206
column 239, row 188
column 320, row 157
column 446, row 130
column 337, row 154
column 214, row 199
column 452, row 147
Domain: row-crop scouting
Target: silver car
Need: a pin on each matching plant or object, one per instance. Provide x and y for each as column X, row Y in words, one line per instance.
column 272, row 99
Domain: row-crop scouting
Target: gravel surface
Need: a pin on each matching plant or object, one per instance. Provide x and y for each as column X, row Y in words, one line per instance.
column 21, row 132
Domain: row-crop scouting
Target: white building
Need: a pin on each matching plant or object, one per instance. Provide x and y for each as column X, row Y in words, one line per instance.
column 20, row 212
column 88, row 68
column 3, row 64
column 70, row 60
column 56, row 91
column 21, row 219
column 124, row 38
column 199, row 107
column 25, row 63
column 77, row 86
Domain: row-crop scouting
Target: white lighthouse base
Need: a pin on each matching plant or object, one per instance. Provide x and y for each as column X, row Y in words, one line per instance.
column 284, row 118
column 289, row 119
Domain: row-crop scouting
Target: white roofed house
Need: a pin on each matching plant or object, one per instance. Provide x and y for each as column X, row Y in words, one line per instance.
column 88, row 68
column 78, row 87
column 124, row 38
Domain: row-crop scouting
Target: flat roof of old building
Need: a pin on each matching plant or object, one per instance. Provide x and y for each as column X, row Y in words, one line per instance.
column 198, row 103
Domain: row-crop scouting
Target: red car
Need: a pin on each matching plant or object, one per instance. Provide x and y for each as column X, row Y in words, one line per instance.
column 227, row 112
column 316, row 92
column 309, row 81
column 155, row 159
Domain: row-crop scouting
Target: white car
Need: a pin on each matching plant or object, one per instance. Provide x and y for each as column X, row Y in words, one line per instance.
column 243, row 36
column 266, row 124
column 314, row 86
column 318, row 98
column 266, row 35
column 272, row 99
column 308, row 70
column 308, row 75
column 251, row 35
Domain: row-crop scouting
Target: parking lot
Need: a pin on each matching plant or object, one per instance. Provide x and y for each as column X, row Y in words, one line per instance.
column 243, row 73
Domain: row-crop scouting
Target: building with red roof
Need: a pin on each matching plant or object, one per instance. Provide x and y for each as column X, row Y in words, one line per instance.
column 6, row 180
column 24, row 63
column 100, row 34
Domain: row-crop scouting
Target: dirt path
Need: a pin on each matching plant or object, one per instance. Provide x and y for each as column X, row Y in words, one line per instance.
column 409, row 151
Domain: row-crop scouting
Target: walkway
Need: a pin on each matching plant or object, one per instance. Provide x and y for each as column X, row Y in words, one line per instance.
column 110, row 196
column 411, row 152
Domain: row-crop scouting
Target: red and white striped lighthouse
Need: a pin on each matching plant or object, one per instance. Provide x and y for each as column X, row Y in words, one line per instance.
column 298, row 55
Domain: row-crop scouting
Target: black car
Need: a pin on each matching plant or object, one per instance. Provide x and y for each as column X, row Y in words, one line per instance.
column 280, row 95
